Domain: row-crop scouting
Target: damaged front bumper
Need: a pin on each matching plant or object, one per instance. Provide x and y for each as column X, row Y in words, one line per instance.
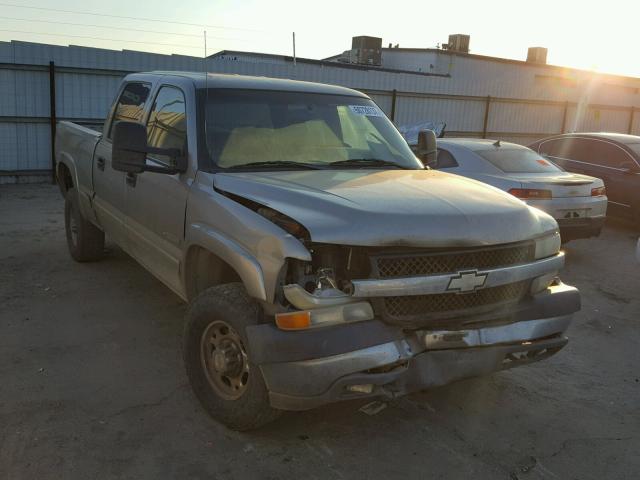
column 306, row 369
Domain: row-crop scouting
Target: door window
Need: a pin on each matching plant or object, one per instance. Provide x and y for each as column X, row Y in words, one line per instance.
column 560, row 147
column 167, row 124
column 575, row 149
column 598, row 152
column 607, row 154
column 587, row 150
column 130, row 106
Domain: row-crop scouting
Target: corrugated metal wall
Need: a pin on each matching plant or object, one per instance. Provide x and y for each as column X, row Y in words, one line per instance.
column 86, row 80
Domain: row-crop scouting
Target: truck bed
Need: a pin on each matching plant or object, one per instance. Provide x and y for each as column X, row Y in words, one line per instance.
column 75, row 146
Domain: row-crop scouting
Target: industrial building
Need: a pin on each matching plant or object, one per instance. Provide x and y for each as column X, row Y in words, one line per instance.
column 475, row 95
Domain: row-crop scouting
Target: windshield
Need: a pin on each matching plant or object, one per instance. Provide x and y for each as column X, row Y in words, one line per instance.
column 518, row 160
column 289, row 129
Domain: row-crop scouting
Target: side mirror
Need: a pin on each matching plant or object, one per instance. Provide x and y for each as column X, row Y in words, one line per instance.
column 129, row 152
column 130, row 149
column 427, row 150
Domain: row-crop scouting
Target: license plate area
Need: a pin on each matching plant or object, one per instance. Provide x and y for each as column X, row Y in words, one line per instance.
column 573, row 213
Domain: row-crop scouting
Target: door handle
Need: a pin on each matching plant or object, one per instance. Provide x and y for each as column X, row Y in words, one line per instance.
column 131, row 179
column 100, row 163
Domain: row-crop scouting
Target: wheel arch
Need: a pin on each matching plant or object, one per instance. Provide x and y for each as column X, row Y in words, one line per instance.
column 204, row 269
column 65, row 176
column 213, row 259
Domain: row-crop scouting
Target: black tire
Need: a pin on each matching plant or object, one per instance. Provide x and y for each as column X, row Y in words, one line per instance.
column 219, row 305
column 84, row 239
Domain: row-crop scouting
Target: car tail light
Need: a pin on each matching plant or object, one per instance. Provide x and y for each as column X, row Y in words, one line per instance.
column 530, row 193
column 598, row 191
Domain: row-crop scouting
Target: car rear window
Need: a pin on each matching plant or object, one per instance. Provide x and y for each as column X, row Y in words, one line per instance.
column 518, row 160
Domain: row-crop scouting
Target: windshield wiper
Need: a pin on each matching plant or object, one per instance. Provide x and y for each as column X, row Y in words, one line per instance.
column 276, row 164
column 366, row 162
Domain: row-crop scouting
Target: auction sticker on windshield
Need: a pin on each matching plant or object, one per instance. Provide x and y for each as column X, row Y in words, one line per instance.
column 368, row 110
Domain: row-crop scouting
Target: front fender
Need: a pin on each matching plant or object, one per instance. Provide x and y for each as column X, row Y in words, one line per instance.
column 242, row 262
column 255, row 247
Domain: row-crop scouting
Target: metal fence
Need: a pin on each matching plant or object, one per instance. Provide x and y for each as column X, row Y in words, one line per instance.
column 34, row 97
column 510, row 119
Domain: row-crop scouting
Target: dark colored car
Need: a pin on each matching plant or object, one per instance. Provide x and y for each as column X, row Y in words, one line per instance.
column 613, row 157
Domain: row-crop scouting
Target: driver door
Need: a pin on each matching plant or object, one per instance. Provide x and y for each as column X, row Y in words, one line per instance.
column 156, row 202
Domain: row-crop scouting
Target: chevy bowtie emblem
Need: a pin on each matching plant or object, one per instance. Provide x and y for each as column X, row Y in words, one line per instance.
column 468, row 281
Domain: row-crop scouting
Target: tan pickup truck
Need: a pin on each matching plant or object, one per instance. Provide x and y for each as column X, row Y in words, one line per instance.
column 320, row 259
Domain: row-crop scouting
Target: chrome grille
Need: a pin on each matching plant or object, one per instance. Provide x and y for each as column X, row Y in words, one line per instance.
column 432, row 263
column 401, row 309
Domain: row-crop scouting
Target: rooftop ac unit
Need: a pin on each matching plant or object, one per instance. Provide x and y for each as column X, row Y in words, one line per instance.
column 459, row 43
column 537, row 55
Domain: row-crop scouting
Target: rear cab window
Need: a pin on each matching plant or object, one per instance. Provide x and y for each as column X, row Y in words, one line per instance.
column 518, row 160
column 130, row 105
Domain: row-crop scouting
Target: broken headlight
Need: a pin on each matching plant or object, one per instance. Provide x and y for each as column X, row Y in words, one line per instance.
column 288, row 224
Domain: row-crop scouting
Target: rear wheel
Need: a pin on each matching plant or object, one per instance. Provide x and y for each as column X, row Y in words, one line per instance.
column 218, row 362
column 84, row 239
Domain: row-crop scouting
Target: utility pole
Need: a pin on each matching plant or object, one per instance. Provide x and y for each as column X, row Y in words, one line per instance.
column 205, row 44
column 294, row 49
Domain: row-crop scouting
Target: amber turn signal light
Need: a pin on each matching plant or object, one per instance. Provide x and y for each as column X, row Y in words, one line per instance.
column 293, row 320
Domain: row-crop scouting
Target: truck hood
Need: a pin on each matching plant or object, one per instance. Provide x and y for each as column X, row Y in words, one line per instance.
column 422, row 208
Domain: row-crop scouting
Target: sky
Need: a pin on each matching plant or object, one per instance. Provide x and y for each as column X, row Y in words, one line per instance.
column 600, row 36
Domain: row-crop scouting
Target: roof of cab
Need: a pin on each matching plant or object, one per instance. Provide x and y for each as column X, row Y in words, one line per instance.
column 220, row 80
column 477, row 143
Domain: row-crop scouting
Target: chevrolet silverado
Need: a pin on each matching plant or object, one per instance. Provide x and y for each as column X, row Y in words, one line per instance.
column 321, row 261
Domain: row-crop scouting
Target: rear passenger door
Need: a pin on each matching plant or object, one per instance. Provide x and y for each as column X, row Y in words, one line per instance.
column 108, row 184
column 156, row 202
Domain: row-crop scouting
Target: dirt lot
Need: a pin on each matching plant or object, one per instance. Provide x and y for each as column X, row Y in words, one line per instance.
column 92, row 383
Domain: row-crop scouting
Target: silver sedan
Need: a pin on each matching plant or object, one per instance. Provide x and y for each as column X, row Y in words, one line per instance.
column 577, row 202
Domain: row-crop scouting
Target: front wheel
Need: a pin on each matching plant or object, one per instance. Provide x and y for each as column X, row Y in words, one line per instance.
column 218, row 363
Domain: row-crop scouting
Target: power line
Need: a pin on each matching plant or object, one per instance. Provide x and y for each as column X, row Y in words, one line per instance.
column 114, row 28
column 101, row 38
column 77, row 12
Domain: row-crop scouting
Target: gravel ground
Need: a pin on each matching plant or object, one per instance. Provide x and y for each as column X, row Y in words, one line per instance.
column 92, row 382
